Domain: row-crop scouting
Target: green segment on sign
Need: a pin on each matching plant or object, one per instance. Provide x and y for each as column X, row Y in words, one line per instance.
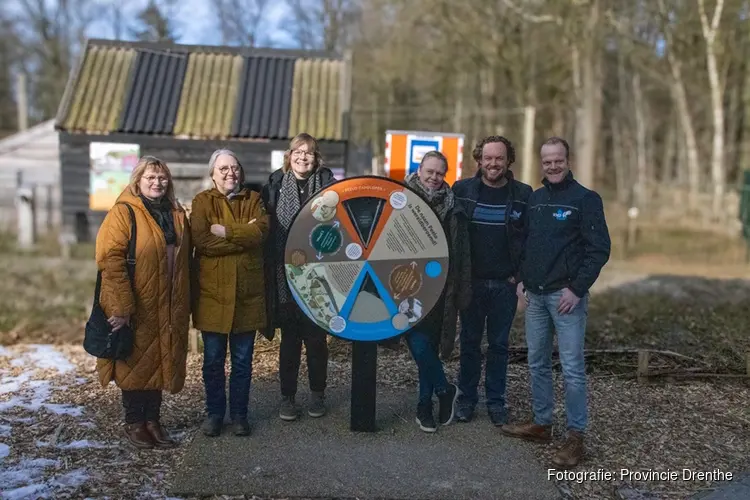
column 326, row 238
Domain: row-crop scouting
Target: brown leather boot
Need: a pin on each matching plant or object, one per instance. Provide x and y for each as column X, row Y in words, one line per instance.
column 159, row 435
column 571, row 451
column 529, row 432
column 138, row 436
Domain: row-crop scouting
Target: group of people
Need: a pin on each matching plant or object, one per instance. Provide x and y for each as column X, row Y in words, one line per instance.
column 224, row 264
column 511, row 245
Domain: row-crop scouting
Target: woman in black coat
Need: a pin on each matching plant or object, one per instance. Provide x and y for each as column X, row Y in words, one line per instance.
column 288, row 189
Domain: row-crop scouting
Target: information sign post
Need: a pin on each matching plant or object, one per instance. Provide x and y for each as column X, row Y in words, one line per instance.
column 366, row 260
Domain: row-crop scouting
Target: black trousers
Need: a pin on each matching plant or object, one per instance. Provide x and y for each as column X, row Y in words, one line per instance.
column 296, row 328
column 141, row 406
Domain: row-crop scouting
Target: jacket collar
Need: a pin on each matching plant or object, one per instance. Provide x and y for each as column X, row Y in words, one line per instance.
column 326, row 176
column 215, row 193
column 476, row 183
column 567, row 181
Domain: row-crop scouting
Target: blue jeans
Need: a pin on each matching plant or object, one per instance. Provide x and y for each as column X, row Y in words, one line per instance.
column 495, row 302
column 542, row 319
column 214, row 358
column 431, row 374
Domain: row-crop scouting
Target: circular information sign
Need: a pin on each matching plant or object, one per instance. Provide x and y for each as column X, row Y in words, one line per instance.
column 366, row 258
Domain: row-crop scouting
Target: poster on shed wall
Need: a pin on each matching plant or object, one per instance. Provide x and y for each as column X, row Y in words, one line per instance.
column 111, row 166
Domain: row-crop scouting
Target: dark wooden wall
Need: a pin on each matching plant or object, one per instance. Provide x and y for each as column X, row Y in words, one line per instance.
column 75, row 166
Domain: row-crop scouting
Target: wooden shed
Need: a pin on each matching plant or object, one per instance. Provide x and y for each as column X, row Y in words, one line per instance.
column 182, row 102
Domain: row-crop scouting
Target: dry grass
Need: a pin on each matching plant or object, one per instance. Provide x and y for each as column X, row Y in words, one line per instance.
column 705, row 319
column 44, row 299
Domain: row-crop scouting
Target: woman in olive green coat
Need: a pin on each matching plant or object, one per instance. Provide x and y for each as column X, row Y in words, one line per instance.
column 230, row 226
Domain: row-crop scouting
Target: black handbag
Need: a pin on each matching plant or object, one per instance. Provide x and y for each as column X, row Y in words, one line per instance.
column 99, row 340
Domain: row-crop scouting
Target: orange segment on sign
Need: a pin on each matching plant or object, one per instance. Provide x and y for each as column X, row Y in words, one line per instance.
column 359, row 188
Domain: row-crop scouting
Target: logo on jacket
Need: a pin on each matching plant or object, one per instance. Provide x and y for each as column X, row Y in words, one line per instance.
column 560, row 215
column 515, row 214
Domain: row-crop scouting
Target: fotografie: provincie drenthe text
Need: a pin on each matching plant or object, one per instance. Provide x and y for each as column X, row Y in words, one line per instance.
column 639, row 475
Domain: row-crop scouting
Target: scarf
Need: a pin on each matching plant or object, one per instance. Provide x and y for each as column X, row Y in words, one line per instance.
column 440, row 200
column 161, row 211
column 286, row 209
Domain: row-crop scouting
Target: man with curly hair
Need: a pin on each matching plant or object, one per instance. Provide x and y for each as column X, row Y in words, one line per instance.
column 495, row 203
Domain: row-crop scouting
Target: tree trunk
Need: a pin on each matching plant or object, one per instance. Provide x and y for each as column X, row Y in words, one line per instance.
column 587, row 66
column 619, row 162
column 718, row 172
column 640, row 135
column 692, row 162
column 667, row 165
column 744, row 153
column 734, row 133
column 679, row 95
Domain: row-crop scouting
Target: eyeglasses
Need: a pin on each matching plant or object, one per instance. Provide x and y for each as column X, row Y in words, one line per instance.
column 299, row 153
column 225, row 170
column 152, row 179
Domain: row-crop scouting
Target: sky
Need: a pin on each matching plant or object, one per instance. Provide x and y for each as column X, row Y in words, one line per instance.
column 194, row 21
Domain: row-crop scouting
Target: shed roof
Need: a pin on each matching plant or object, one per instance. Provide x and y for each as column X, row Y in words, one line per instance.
column 205, row 92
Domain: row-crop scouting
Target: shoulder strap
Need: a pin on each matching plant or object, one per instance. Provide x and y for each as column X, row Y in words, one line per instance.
column 133, row 233
column 130, row 259
column 131, row 245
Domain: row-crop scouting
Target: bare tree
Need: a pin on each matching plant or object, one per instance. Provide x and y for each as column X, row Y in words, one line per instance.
column 240, row 21
column 52, row 34
column 154, row 24
column 718, row 172
column 323, row 24
column 680, row 97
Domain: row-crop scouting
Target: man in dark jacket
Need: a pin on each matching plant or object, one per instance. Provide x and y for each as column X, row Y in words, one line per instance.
column 495, row 204
column 288, row 189
column 567, row 245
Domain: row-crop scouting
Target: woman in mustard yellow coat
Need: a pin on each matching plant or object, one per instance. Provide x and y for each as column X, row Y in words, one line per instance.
column 158, row 304
column 230, row 226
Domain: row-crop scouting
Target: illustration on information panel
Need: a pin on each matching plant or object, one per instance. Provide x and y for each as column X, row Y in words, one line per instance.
column 366, row 258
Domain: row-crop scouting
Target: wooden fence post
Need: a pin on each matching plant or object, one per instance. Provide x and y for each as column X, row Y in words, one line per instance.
column 26, row 218
column 643, row 360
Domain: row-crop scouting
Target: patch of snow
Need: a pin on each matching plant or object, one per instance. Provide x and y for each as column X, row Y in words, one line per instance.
column 25, row 472
column 38, row 400
column 84, row 443
column 71, row 479
column 47, row 357
column 88, row 425
column 13, row 384
column 26, row 479
column 25, row 492
column 63, row 409
column 38, row 478
column 21, row 420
